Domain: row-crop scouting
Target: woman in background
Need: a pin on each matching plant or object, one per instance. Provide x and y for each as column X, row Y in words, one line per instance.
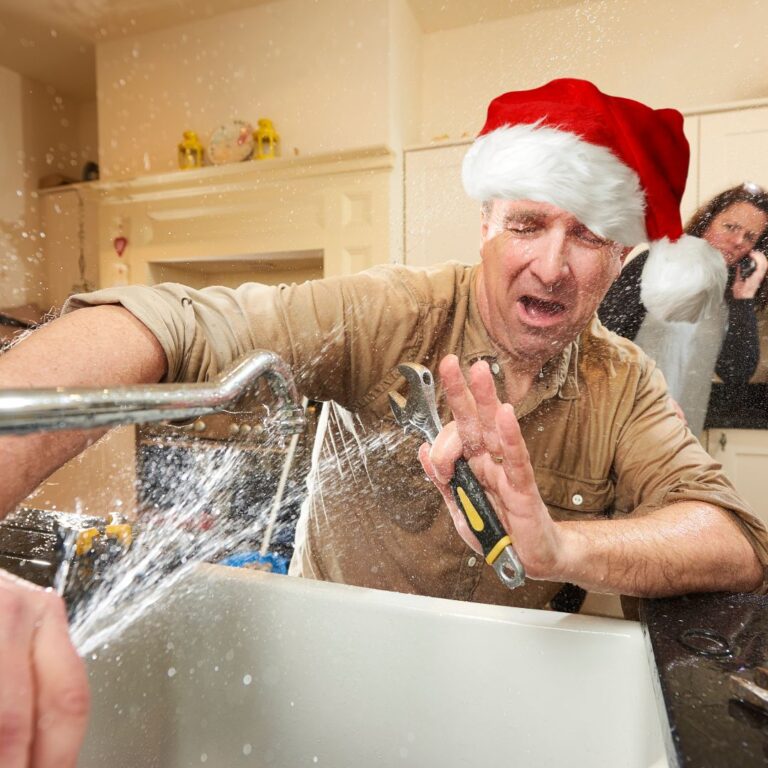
column 695, row 315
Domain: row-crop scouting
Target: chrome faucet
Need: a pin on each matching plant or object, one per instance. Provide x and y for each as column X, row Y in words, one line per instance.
column 23, row 411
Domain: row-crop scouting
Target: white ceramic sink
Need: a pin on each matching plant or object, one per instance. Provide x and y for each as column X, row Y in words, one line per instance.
column 239, row 668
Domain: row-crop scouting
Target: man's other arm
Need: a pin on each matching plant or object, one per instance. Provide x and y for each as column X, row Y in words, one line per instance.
column 92, row 347
column 686, row 546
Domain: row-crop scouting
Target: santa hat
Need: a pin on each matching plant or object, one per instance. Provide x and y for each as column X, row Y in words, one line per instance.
column 617, row 165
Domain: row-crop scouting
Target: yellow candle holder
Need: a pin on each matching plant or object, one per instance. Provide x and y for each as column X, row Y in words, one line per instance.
column 190, row 151
column 267, row 139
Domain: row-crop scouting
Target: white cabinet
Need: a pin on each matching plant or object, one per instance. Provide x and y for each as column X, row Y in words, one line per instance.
column 441, row 222
column 733, row 149
column 744, row 456
column 102, row 479
column 68, row 220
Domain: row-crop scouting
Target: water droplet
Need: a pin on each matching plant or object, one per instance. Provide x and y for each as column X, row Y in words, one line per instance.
column 247, row 749
column 171, row 671
column 247, row 680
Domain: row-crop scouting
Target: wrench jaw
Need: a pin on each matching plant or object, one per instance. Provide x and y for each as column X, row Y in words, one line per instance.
column 419, row 409
column 413, row 423
column 399, row 407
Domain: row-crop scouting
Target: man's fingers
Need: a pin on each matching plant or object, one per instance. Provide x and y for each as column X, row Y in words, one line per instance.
column 426, row 463
column 445, row 490
column 517, row 462
column 63, row 699
column 461, row 402
column 487, row 403
column 445, row 451
column 16, row 683
column 44, row 695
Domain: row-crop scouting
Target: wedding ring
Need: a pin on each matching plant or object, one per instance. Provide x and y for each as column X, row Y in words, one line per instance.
column 498, row 459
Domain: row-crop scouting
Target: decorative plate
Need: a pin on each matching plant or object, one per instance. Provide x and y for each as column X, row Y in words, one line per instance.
column 231, row 142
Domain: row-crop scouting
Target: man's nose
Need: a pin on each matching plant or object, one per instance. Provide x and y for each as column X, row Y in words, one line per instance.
column 550, row 262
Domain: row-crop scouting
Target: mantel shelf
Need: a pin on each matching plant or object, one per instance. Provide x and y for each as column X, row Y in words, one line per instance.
column 232, row 176
column 245, row 175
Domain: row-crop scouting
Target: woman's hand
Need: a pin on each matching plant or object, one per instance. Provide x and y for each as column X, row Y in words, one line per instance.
column 486, row 433
column 746, row 289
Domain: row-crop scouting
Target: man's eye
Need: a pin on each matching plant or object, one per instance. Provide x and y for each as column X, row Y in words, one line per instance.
column 589, row 237
column 522, row 229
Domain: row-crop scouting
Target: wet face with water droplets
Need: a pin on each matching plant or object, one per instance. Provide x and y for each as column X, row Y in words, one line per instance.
column 736, row 230
column 543, row 276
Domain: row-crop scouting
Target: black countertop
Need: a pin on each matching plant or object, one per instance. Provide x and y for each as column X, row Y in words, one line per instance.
column 698, row 642
column 738, row 407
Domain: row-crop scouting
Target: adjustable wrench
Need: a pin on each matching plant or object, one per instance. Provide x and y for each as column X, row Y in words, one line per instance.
column 419, row 413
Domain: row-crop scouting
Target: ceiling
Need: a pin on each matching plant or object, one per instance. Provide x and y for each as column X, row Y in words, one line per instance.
column 67, row 30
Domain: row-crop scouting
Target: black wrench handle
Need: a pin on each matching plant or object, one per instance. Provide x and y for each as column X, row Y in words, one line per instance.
column 471, row 500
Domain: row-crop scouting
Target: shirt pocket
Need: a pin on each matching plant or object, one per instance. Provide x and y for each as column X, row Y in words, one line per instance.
column 571, row 497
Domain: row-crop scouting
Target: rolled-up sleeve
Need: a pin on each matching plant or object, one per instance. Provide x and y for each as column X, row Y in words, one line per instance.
column 659, row 462
column 335, row 334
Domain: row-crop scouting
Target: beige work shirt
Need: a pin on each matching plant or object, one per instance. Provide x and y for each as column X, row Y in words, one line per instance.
column 602, row 437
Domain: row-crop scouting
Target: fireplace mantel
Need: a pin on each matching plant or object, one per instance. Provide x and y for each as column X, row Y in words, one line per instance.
column 342, row 206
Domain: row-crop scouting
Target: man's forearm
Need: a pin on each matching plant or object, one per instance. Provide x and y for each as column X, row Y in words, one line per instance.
column 92, row 347
column 686, row 547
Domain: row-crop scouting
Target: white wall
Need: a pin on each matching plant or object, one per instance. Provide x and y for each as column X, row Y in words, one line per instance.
column 687, row 53
column 337, row 75
column 317, row 69
column 404, row 76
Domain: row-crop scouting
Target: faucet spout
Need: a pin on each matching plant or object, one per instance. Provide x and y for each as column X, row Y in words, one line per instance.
column 23, row 411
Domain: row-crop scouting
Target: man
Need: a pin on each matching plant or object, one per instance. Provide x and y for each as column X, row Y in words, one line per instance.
column 568, row 428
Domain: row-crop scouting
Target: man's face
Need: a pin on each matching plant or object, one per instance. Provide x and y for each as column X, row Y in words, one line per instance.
column 543, row 276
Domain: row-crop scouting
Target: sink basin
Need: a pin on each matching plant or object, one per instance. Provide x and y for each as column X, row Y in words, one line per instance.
column 241, row 668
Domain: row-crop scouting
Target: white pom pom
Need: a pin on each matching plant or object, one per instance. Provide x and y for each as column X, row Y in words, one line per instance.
column 683, row 281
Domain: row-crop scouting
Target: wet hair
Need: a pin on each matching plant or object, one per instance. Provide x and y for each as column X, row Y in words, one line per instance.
column 744, row 193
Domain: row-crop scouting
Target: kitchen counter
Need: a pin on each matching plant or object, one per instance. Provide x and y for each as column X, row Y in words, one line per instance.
column 698, row 641
column 745, row 408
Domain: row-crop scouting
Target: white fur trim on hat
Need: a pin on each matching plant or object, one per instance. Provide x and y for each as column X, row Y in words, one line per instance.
column 683, row 281
column 547, row 165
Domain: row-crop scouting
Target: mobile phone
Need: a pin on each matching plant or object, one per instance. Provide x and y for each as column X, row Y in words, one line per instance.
column 746, row 267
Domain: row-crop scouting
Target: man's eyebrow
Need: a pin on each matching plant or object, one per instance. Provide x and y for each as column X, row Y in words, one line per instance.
column 523, row 216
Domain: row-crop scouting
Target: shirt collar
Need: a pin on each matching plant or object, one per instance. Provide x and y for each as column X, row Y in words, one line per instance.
column 558, row 377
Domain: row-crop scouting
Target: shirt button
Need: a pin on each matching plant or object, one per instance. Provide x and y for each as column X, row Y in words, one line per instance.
column 495, row 369
column 577, row 499
column 471, row 562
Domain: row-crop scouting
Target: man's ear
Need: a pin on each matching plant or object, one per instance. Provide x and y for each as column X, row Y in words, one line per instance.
column 624, row 253
column 620, row 252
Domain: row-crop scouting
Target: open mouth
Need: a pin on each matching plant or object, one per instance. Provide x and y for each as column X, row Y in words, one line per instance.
column 541, row 308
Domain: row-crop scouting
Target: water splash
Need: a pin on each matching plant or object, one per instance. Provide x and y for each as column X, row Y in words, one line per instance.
column 192, row 522
column 195, row 524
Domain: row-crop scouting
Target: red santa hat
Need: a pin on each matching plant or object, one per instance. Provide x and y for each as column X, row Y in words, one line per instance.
column 617, row 165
